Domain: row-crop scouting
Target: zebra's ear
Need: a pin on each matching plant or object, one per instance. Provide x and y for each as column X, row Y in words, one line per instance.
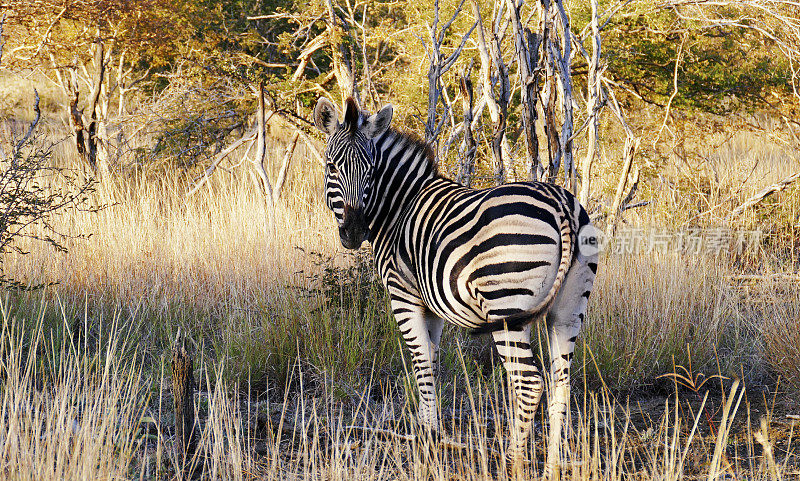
column 377, row 124
column 325, row 116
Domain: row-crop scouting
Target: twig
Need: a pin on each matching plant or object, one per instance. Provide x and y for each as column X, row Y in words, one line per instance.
column 678, row 59
column 778, row 276
column 603, row 215
column 2, row 40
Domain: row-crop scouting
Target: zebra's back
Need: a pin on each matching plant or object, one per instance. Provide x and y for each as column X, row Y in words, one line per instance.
column 481, row 256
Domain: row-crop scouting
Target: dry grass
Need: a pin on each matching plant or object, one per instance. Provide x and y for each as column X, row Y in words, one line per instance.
column 781, row 333
column 263, row 306
column 73, row 411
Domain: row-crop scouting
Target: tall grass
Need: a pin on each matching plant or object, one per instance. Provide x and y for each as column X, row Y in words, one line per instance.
column 66, row 414
column 652, row 312
column 253, row 290
column 70, row 412
column 302, row 371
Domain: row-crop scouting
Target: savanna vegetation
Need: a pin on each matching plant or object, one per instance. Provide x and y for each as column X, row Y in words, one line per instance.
column 160, row 175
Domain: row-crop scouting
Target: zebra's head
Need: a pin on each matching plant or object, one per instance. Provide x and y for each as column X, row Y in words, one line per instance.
column 350, row 161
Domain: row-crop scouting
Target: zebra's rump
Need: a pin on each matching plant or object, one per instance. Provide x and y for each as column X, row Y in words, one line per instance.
column 495, row 253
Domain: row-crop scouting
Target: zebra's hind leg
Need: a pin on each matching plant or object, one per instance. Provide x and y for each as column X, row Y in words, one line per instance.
column 564, row 321
column 526, row 381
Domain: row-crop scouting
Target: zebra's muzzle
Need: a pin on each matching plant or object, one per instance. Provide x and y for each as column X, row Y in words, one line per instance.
column 353, row 230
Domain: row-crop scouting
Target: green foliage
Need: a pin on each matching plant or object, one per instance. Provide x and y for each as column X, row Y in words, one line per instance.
column 723, row 68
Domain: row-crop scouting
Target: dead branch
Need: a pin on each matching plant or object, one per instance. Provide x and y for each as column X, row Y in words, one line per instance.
column 763, row 194
column 261, row 155
column 603, row 214
column 342, row 61
column 92, row 105
column 36, row 110
column 292, row 122
column 285, row 165
column 2, row 38
column 526, row 45
column 219, row 158
column 563, row 58
column 631, row 144
column 438, row 65
column 678, row 59
column 593, row 105
column 492, row 64
column 476, row 114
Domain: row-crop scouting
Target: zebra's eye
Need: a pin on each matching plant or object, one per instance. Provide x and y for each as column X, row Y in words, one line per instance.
column 332, row 168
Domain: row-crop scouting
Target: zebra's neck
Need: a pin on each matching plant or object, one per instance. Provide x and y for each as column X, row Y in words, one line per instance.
column 403, row 166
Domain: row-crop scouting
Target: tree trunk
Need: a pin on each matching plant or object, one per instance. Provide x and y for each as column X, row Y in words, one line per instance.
column 342, row 63
column 526, row 46
column 259, row 163
column 565, row 78
column 492, row 63
column 467, row 167
column 94, row 96
column 287, row 158
column 594, row 87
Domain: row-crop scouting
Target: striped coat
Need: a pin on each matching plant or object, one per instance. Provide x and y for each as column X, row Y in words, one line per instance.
column 494, row 260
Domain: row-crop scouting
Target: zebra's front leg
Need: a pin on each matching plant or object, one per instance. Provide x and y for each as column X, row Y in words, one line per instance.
column 421, row 330
column 515, row 349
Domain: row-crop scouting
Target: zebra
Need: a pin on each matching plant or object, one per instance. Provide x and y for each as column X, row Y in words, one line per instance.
column 492, row 260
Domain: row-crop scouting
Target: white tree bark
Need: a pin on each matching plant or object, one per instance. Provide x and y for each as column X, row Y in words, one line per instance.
column 438, row 65
column 594, row 87
column 563, row 57
column 526, row 46
column 492, row 64
column 259, row 162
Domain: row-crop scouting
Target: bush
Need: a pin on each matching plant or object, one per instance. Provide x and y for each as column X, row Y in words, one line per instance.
column 33, row 190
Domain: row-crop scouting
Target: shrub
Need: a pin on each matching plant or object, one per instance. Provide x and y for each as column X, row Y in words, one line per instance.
column 33, row 190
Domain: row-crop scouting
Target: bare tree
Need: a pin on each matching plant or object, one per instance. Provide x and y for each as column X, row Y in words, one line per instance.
column 494, row 71
column 85, row 48
column 621, row 199
column 526, row 45
column 260, row 159
column 257, row 136
column 467, row 168
column 595, row 101
column 438, row 65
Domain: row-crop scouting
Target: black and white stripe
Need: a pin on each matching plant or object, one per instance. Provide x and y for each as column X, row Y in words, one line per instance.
column 492, row 260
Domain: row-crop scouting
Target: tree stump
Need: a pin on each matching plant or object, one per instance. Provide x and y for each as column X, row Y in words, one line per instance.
column 183, row 393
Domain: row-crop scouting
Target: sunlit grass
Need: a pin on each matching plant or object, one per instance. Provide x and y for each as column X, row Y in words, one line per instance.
column 286, row 325
column 72, row 411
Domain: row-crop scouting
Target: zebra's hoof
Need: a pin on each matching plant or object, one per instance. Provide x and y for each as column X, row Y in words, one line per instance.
column 428, row 440
column 515, row 468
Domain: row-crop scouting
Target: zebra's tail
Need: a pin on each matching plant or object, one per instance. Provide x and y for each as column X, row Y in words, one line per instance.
column 516, row 321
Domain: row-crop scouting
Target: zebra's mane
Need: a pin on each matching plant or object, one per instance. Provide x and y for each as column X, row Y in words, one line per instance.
column 414, row 141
